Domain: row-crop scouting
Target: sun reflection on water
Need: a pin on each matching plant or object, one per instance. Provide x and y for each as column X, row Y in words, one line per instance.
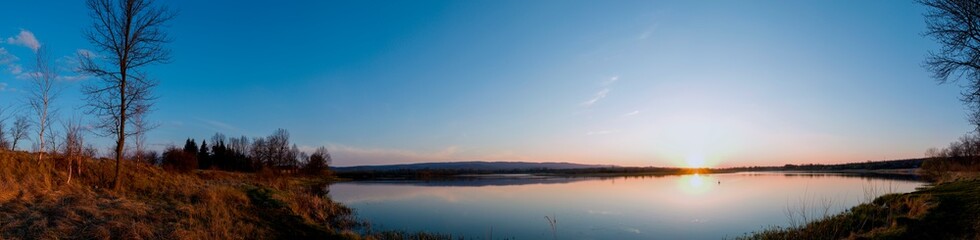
column 695, row 184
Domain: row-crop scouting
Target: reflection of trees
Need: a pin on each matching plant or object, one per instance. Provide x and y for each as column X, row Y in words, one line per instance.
column 509, row 180
column 862, row 175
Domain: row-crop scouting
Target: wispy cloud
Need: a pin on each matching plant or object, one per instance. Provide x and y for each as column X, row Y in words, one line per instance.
column 15, row 69
column 26, row 39
column 349, row 155
column 218, row 125
column 6, row 57
column 602, row 92
column 645, row 35
column 632, row 230
column 27, row 75
column 600, row 132
column 648, row 32
column 601, row 212
column 595, row 98
column 71, row 64
column 72, row 78
column 634, row 112
column 10, row 61
column 610, row 80
column 85, row 53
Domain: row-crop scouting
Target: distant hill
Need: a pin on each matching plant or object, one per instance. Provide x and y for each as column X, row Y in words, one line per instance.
column 473, row 165
column 854, row 166
column 869, row 165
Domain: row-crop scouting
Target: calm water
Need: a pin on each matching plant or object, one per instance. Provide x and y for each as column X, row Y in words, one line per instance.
column 669, row 207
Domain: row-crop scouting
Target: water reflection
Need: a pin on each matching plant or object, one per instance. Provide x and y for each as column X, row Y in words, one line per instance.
column 695, row 184
column 701, row 206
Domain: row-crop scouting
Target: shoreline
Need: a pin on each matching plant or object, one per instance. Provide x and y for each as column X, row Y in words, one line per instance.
column 941, row 210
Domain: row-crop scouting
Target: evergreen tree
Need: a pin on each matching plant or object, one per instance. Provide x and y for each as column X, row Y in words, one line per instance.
column 190, row 146
column 204, row 156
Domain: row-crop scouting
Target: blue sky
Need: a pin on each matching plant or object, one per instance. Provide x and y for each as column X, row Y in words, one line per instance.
column 719, row 83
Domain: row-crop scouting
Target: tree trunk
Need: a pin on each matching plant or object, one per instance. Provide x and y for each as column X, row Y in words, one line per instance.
column 121, row 138
column 40, row 147
column 121, row 141
column 70, row 160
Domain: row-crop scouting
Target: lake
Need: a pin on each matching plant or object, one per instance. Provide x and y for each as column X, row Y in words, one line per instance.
column 698, row 206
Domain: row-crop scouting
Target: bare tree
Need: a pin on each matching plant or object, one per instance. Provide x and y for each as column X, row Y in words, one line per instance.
column 318, row 162
column 239, row 145
column 259, row 152
column 19, row 130
column 42, row 92
column 73, row 147
column 140, row 127
column 955, row 24
column 4, row 143
column 128, row 35
column 278, row 148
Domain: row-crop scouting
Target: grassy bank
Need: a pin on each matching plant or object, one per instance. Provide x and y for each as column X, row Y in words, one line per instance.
column 36, row 202
column 948, row 210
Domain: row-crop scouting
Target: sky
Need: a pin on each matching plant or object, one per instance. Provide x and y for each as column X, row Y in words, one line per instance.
column 633, row 83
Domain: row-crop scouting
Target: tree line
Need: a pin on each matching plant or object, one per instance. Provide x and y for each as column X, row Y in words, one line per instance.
column 960, row 155
column 273, row 153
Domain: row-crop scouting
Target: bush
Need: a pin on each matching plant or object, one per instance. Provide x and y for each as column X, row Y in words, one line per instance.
column 318, row 162
column 175, row 159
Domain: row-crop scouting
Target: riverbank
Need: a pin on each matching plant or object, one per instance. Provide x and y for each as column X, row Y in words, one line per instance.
column 947, row 210
column 38, row 202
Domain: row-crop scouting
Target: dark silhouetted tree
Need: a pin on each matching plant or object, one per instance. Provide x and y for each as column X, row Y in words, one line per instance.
column 204, row 155
column 259, row 154
column 318, row 162
column 190, row 146
column 128, row 36
column 175, row 159
column 955, row 24
column 239, row 149
column 220, row 156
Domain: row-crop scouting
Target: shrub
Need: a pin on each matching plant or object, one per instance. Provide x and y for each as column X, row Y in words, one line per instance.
column 175, row 159
column 318, row 162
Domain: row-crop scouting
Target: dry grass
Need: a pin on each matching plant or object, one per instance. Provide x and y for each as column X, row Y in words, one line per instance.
column 35, row 203
column 945, row 211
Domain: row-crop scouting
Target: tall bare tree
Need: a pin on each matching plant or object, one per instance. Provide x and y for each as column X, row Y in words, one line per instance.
column 128, row 35
column 19, row 130
column 41, row 93
column 955, row 24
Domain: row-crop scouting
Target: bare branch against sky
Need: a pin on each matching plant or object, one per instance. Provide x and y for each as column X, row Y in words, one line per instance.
column 128, row 35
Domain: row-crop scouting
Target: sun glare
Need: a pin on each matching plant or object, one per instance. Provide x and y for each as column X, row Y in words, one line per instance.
column 695, row 161
column 695, row 183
